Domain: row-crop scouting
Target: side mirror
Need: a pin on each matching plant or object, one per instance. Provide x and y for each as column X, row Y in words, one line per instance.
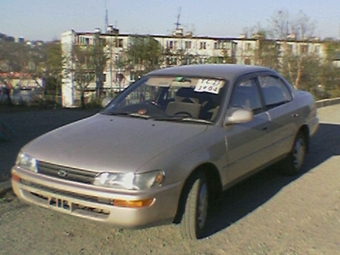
column 238, row 115
column 106, row 101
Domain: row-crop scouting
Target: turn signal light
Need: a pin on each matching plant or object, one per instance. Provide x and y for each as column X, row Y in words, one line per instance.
column 15, row 177
column 133, row 203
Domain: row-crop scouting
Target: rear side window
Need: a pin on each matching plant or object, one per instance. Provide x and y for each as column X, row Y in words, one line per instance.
column 274, row 91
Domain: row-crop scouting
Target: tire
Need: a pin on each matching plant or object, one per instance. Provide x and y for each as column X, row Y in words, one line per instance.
column 195, row 214
column 294, row 161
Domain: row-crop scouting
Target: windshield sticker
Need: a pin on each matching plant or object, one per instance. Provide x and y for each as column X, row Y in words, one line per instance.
column 207, row 85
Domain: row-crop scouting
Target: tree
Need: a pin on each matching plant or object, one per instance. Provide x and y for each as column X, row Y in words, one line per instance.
column 54, row 62
column 84, row 71
column 99, row 59
column 267, row 53
column 330, row 75
column 293, row 63
column 85, row 64
column 13, row 57
column 144, row 52
column 36, row 66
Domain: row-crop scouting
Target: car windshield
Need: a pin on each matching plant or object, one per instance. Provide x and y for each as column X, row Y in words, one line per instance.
column 177, row 98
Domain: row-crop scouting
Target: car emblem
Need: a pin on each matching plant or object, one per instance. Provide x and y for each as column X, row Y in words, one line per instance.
column 62, row 173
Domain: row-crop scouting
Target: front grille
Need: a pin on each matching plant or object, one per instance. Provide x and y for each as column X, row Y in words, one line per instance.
column 57, row 192
column 66, row 173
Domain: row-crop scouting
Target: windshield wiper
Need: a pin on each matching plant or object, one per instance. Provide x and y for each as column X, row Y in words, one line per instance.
column 116, row 113
column 137, row 115
column 186, row 119
column 168, row 118
column 183, row 119
column 129, row 114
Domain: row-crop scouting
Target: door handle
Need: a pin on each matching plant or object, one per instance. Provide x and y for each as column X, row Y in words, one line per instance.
column 295, row 115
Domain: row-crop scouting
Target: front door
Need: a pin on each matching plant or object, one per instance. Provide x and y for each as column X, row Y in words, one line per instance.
column 248, row 144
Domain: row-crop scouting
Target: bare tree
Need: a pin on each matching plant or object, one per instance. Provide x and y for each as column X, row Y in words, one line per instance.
column 267, row 53
column 54, row 60
column 303, row 27
column 99, row 60
column 300, row 30
column 83, row 70
column 279, row 25
column 144, row 52
column 36, row 66
column 13, row 57
column 84, row 64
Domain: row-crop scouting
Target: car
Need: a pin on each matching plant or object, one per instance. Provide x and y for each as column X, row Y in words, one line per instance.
column 26, row 96
column 165, row 148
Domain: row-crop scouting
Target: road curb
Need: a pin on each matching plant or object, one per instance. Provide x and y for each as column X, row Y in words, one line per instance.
column 327, row 102
column 5, row 187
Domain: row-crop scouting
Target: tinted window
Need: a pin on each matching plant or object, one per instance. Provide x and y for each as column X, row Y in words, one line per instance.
column 274, row 91
column 245, row 95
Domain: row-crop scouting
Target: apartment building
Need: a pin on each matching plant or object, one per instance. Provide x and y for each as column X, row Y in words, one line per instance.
column 179, row 49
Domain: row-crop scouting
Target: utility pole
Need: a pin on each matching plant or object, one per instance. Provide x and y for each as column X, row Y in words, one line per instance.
column 178, row 16
column 106, row 19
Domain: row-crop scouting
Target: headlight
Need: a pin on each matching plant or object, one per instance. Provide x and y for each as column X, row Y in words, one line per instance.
column 131, row 181
column 27, row 162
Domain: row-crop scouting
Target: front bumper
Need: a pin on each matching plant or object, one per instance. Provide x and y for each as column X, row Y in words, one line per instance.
column 95, row 203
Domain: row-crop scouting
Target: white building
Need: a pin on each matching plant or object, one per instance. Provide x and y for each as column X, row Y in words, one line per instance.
column 179, row 48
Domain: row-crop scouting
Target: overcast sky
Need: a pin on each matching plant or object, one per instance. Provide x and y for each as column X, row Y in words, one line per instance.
column 47, row 19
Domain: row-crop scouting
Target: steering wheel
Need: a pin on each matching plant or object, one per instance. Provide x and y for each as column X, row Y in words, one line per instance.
column 154, row 103
column 183, row 114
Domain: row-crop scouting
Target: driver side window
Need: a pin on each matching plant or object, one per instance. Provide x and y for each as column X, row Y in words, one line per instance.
column 275, row 93
column 245, row 95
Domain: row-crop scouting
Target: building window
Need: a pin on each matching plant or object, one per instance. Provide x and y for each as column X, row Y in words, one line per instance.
column 303, row 49
column 317, row 49
column 188, row 44
column 248, row 46
column 279, row 47
column 119, row 43
column 203, row 45
column 290, row 48
column 219, row 45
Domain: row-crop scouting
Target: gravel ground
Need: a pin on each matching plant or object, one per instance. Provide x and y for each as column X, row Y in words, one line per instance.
column 266, row 214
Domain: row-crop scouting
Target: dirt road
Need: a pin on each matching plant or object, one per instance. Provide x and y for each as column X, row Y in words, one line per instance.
column 267, row 214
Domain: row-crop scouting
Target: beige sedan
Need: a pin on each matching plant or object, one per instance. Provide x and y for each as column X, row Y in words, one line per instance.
column 168, row 145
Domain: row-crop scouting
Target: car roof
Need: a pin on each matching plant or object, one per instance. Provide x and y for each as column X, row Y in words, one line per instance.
column 225, row 71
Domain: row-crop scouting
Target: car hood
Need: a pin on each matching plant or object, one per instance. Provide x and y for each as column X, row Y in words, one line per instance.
column 110, row 143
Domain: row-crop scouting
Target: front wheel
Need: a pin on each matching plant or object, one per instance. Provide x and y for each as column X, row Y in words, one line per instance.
column 294, row 161
column 195, row 213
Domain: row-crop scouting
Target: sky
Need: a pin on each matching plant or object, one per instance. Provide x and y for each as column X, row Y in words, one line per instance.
column 47, row 19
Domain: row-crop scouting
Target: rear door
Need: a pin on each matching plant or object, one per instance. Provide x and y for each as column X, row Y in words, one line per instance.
column 282, row 113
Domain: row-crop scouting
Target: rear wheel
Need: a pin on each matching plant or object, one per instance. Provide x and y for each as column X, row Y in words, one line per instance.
column 294, row 161
column 196, row 208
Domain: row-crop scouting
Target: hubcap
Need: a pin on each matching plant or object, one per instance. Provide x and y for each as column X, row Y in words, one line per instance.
column 202, row 206
column 299, row 153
